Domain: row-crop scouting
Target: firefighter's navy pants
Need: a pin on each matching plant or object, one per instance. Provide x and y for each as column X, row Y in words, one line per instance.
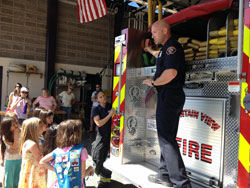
column 169, row 107
column 99, row 152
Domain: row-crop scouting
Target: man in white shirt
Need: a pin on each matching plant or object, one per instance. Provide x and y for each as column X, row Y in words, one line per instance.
column 68, row 99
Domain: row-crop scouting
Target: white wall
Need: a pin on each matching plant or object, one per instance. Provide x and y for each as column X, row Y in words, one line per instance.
column 35, row 83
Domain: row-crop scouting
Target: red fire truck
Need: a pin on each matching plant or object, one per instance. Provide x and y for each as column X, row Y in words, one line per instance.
column 214, row 133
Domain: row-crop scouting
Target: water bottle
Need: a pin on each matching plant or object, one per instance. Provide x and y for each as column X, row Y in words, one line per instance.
column 25, row 108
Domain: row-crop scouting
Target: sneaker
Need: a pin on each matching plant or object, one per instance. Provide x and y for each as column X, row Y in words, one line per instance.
column 164, row 180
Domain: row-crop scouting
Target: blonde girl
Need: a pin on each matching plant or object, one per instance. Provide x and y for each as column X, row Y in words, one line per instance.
column 69, row 156
column 10, row 132
column 32, row 174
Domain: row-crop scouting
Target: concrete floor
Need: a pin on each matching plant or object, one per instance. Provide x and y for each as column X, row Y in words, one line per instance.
column 92, row 181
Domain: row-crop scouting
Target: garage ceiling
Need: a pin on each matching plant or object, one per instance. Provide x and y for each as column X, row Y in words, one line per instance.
column 194, row 27
column 169, row 6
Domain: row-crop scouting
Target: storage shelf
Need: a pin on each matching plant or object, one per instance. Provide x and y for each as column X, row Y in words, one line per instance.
column 27, row 73
column 65, row 86
column 27, row 76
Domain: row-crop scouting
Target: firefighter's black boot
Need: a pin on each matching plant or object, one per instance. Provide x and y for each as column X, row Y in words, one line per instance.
column 105, row 178
column 102, row 184
column 163, row 180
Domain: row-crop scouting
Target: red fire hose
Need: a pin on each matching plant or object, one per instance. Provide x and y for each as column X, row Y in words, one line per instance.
column 198, row 10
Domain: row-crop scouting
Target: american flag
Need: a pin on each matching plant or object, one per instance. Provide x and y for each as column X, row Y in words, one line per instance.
column 89, row 10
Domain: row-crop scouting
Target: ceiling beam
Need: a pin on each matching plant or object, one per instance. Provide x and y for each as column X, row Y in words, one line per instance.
column 163, row 7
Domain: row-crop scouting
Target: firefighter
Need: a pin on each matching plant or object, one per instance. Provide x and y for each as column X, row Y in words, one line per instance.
column 168, row 81
column 102, row 117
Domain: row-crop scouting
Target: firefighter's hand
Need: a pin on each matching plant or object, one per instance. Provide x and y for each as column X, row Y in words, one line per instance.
column 147, row 82
column 148, row 45
column 148, row 49
column 112, row 111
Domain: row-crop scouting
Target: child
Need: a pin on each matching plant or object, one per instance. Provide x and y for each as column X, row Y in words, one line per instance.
column 13, row 115
column 102, row 117
column 32, row 174
column 49, row 146
column 47, row 117
column 37, row 111
column 70, row 157
column 10, row 134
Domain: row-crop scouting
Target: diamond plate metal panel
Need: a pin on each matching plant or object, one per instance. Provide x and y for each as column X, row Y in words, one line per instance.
column 219, row 64
column 134, row 123
column 143, row 145
column 219, row 88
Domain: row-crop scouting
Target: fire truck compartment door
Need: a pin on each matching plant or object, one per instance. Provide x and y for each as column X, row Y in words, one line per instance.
column 201, row 137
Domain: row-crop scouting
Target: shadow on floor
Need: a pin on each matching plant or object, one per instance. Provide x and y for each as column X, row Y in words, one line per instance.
column 87, row 140
column 116, row 184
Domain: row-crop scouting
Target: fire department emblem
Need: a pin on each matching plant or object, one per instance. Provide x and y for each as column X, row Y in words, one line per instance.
column 171, row 50
column 134, row 94
column 132, row 125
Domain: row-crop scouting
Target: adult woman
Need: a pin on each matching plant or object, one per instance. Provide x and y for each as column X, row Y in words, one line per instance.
column 45, row 101
column 68, row 99
column 14, row 95
column 22, row 105
column 102, row 117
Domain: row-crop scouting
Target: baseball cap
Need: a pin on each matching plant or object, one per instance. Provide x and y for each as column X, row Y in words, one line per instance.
column 24, row 89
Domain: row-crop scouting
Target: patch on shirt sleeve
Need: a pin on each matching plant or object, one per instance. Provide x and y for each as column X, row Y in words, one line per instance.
column 171, row 50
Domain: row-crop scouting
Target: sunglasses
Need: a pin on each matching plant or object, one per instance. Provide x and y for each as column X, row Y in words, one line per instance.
column 24, row 92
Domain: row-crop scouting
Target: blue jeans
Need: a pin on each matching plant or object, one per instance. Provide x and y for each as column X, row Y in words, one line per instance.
column 68, row 112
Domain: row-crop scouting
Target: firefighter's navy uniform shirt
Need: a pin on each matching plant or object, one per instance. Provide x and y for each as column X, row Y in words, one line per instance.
column 100, row 146
column 171, row 56
column 170, row 103
column 105, row 130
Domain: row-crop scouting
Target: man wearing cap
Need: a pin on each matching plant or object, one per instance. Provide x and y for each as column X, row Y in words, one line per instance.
column 168, row 80
column 22, row 106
